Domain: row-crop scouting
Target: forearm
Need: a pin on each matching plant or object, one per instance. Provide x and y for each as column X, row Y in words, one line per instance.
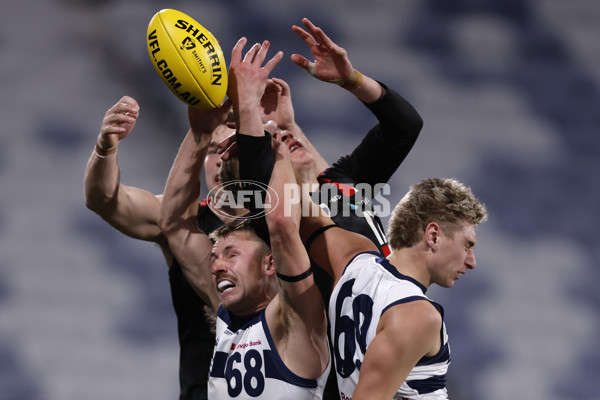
column 177, row 218
column 249, row 121
column 397, row 117
column 182, row 189
column 101, row 181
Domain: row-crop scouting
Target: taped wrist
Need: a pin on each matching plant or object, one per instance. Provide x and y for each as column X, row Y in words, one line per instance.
column 354, row 82
column 104, row 152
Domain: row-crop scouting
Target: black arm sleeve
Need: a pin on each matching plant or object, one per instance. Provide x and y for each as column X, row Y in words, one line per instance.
column 386, row 145
column 255, row 157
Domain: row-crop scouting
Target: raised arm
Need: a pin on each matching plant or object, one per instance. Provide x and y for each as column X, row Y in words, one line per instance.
column 130, row 210
column 299, row 303
column 189, row 245
column 388, row 143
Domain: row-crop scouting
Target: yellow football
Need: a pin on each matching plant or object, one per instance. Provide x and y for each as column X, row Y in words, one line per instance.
column 188, row 59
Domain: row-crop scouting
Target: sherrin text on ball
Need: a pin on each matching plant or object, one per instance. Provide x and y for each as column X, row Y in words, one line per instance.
column 188, row 59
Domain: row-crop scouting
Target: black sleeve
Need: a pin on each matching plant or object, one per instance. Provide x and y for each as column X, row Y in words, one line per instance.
column 255, row 157
column 256, row 164
column 386, row 145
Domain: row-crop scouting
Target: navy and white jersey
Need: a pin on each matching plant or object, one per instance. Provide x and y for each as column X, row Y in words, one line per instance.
column 246, row 364
column 369, row 286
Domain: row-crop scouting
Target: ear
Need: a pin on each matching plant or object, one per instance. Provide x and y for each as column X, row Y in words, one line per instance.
column 432, row 235
column 269, row 265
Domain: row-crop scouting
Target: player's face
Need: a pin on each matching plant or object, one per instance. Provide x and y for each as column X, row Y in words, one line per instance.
column 455, row 256
column 301, row 157
column 212, row 161
column 241, row 268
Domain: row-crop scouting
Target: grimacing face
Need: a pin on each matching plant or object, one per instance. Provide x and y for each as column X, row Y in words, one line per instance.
column 243, row 272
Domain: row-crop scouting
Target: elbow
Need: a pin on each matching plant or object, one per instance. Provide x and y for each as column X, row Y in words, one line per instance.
column 97, row 204
column 281, row 226
column 168, row 223
column 164, row 223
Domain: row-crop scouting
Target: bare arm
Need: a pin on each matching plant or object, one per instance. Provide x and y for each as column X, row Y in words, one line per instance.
column 189, row 245
column 296, row 316
column 302, row 313
column 131, row 210
column 405, row 334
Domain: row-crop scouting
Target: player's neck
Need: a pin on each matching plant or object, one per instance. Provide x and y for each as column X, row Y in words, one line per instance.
column 411, row 262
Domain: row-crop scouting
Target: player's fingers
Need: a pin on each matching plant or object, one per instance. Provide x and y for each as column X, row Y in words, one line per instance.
column 128, row 100
column 230, row 152
column 111, row 129
column 272, row 87
column 300, row 60
column 305, row 36
column 127, row 109
column 251, row 54
column 261, row 55
column 236, row 52
column 310, row 26
column 285, row 88
column 273, row 62
column 117, row 119
column 225, row 143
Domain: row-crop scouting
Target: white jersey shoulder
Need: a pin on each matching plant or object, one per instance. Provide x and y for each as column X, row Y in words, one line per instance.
column 368, row 287
column 246, row 364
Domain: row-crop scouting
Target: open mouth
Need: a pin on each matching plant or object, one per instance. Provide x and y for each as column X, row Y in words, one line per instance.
column 225, row 285
column 294, row 144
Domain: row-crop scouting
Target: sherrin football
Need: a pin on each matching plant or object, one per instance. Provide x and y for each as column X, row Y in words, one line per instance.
column 188, row 59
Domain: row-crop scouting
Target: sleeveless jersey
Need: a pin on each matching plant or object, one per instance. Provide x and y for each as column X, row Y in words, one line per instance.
column 246, row 364
column 195, row 336
column 368, row 287
column 196, row 340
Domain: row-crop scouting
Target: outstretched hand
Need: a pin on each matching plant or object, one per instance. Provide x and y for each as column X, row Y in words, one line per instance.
column 247, row 76
column 331, row 61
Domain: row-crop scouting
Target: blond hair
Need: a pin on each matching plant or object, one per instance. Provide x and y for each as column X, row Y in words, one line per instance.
column 445, row 201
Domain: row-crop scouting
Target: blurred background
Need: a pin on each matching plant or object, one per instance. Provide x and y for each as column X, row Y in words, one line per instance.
column 509, row 92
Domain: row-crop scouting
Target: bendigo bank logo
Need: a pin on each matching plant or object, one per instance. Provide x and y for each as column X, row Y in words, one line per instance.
column 259, row 199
